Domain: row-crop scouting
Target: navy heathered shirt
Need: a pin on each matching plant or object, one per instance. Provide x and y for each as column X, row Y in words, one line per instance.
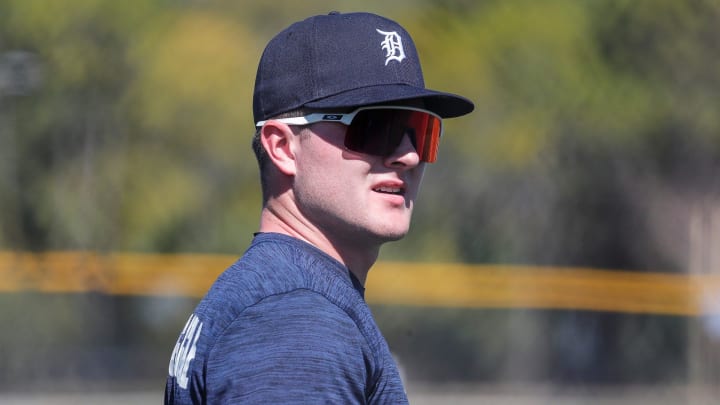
column 285, row 324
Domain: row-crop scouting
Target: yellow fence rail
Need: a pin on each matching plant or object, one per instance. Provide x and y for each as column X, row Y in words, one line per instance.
column 415, row 284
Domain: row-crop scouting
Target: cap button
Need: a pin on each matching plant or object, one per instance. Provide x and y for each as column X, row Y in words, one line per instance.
column 334, row 13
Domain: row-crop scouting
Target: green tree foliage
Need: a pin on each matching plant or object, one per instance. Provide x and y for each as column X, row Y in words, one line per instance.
column 595, row 134
column 591, row 117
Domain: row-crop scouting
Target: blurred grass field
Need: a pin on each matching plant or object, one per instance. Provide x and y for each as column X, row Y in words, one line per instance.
column 429, row 395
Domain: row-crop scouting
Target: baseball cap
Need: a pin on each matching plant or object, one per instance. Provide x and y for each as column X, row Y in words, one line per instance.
column 344, row 60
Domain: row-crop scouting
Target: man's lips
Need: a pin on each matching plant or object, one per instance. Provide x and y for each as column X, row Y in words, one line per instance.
column 397, row 188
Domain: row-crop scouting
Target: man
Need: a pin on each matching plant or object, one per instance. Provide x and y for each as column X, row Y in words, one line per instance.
column 344, row 129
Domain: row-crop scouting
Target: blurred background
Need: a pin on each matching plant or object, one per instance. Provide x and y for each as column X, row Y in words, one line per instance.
column 125, row 132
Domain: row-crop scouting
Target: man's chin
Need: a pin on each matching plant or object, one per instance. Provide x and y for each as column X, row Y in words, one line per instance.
column 393, row 236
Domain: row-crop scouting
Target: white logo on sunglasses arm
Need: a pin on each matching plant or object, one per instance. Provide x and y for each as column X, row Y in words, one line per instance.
column 393, row 46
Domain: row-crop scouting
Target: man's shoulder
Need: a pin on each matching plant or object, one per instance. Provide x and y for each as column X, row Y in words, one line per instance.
column 267, row 280
column 251, row 301
column 298, row 341
column 295, row 316
column 275, row 265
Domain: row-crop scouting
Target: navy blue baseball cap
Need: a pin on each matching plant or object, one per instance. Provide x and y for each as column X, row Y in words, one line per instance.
column 342, row 61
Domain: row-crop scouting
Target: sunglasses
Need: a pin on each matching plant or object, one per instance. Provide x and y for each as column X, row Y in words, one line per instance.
column 379, row 130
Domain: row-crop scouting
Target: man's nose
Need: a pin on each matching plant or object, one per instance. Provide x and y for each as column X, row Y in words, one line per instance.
column 405, row 154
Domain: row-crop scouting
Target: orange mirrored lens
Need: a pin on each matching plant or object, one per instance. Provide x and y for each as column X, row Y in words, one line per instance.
column 380, row 131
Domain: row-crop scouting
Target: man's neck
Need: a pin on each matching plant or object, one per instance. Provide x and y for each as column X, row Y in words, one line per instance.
column 357, row 258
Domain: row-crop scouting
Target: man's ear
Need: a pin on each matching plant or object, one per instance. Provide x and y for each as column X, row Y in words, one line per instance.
column 277, row 139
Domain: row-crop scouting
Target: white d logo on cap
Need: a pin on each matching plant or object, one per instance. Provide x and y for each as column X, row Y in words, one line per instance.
column 393, row 46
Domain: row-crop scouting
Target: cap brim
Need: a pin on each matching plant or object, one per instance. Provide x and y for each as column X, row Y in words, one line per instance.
column 446, row 105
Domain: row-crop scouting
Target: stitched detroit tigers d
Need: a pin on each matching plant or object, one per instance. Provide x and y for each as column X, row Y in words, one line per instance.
column 392, row 44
